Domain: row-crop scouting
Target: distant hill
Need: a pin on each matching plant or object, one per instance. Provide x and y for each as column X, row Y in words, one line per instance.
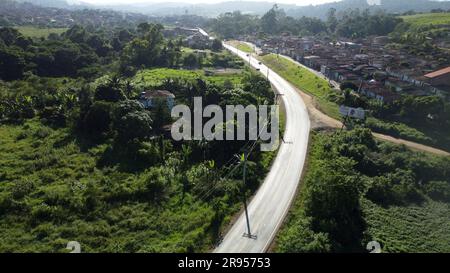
column 61, row 4
column 208, row 10
column 48, row 3
column 257, row 8
column 428, row 19
column 260, row 8
column 391, row 6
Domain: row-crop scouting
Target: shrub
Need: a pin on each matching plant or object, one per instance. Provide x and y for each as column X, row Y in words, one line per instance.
column 438, row 190
column 299, row 238
column 43, row 132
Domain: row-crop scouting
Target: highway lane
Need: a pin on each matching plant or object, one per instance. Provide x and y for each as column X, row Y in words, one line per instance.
column 270, row 205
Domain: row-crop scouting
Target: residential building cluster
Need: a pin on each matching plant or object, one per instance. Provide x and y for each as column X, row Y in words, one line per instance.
column 377, row 70
column 192, row 37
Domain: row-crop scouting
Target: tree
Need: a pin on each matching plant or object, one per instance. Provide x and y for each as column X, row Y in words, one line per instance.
column 131, row 121
column 111, row 91
column 12, row 65
column 191, row 60
column 146, row 50
column 299, row 238
column 216, row 45
column 231, row 24
column 332, row 20
column 76, row 34
column 333, row 201
column 98, row 119
column 269, row 22
column 99, row 45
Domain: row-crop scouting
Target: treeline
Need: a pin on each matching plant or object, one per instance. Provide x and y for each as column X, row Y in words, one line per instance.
column 22, row 13
column 88, row 53
column 75, row 53
column 351, row 24
column 346, row 168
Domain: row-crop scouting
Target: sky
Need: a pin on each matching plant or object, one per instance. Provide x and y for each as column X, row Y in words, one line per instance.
column 113, row 2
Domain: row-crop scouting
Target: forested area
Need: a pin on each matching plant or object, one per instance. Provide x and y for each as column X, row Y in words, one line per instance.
column 351, row 24
column 357, row 190
column 83, row 161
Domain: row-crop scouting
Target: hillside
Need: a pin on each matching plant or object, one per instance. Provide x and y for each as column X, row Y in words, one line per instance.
column 257, row 8
column 427, row 19
column 357, row 190
column 425, row 28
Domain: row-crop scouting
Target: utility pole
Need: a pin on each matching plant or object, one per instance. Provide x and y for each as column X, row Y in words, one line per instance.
column 249, row 232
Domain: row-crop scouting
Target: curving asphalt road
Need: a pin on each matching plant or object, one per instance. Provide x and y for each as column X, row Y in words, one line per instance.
column 270, row 205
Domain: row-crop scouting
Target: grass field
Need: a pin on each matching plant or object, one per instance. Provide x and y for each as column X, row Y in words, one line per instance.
column 155, row 77
column 35, row 32
column 304, row 80
column 428, row 19
column 241, row 46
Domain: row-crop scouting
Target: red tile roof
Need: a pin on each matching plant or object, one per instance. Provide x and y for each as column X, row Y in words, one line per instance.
column 438, row 73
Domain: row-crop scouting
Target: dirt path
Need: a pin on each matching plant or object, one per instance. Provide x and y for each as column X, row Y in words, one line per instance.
column 412, row 145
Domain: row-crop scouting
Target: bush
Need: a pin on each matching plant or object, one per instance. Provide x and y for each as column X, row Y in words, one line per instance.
column 438, row 190
column 398, row 130
column 43, row 132
column 154, row 185
column 98, row 119
column 299, row 238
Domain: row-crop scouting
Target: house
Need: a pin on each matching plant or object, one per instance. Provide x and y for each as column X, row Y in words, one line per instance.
column 149, row 98
column 198, row 41
column 398, row 85
column 311, row 62
column 376, row 90
column 440, row 77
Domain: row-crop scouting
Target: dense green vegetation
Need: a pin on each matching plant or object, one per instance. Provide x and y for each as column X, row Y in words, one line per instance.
column 427, row 19
column 357, row 190
column 104, row 176
column 421, row 35
column 84, row 161
column 350, row 23
column 53, row 191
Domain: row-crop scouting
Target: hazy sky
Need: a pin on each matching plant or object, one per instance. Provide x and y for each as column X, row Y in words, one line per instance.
column 298, row 2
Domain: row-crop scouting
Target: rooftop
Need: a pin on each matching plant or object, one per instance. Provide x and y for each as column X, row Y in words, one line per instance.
column 157, row 94
column 438, row 73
